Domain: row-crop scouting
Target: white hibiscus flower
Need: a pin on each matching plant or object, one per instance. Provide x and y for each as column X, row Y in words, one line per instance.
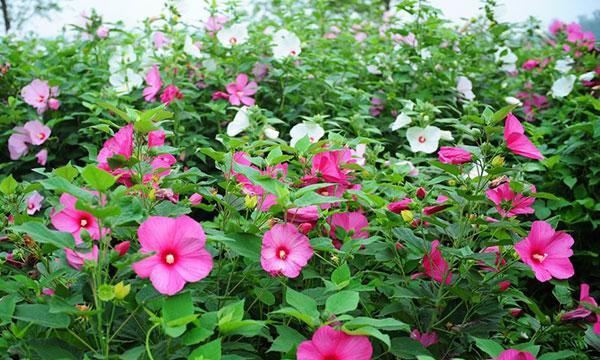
column 285, row 43
column 310, row 129
column 424, row 140
column 271, row 133
column 190, row 48
column 125, row 81
column 240, row 122
column 401, row 121
column 464, row 87
column 563, row 86
column 234, row 35
column 563, row 66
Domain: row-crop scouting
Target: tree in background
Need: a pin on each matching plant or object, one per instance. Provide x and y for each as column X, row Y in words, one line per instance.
column 16, row 12
column 591, row 23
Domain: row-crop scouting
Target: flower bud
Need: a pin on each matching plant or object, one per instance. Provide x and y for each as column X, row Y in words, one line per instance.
column 421, row 193
column 250, row 201
column 305, row 228
column 498, row 161
column 121, row 290
column 53, row 104
column 122, row 247
column 407, row 215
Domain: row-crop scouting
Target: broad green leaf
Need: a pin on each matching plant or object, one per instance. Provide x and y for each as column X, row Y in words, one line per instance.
column 303, row 303
column 97, row 178
column 39, row 314
column 231, row 312
column 8, row 185
column 41, row 234
column 178, row 310
column 341, row 276
column 209, row 351
column 342, row 302
column 489, row 347
column 287, row 339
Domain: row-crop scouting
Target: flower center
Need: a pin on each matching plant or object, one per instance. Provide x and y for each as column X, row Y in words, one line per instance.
column 30, row 206
column 240, row 94
column 233, row 40
column 282, row 253
column 539, row 257
column 422, row 139
column 169, row 258
column 331, row 357
column 83, row 222
column 41, row 98
column 293, row 52
column 41, row 136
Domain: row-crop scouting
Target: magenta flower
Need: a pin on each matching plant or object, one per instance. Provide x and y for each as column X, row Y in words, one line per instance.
column 170, row 93
column 556, row 26
column 240, row 91
column 426, row 339
column 42, row 157
column 398, row 206
column 71, row 220
column 436, row 266
column 330, row 344
column 453, row 155
column 512, row 354
column 178, row 252
column 159, row 39
column 509, row 204
column 122, row 248
column 37, row 94
column 120, row 144
column 307, row 214
column 499, row 260
column 34, row 203
column 355, row 224
column 547, row 252
column 77, row 259
column 517, row 142
column 530, row 64
column 285, row 251
column 581, row 312
column 154, row 84
column 156, row 138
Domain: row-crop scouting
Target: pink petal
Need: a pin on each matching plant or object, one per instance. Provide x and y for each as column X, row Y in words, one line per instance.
column 143, row 268
column 154, row 232
column 166, row 280
column 195, row 268
column 241, row 80
column 512, row 126
column 521, row 145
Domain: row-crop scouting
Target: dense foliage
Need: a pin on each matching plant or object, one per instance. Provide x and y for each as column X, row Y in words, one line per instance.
column 309, row 180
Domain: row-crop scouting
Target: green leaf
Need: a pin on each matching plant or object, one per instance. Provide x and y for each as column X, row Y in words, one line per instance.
column 122, row 114
column 304, row 304
column 502, row 113
column 68, row 172
column 208, row 351
column 449, row 168
column 7, row 308
column 407, row 348
column 371, row 331
column 96, row 178
column 313, row 198
column 231, row 312
column 287, row 339
column 489, row 347
column 342, row 302
column 178, row 310
column 8, row 185
column 341, row 276
column 244, row 244
column 303, row 145
column 39, row 314
column 387, row 324
column 560, row 355
column 41, row 234
column 62, row 185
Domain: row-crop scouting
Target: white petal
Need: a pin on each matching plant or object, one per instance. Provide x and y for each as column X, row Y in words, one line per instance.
column 240, row 122
column 446, row 135
column 271, row 133
column 563, row 86
column 401, row 121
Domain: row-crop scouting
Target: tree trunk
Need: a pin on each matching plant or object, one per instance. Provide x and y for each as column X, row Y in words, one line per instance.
column 5, row 15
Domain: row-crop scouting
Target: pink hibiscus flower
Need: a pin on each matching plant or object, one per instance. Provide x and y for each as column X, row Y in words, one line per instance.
column 156, row 138
column 453, row 155
column 17, row 143
column 436, row 266
column 582, row 312
column 154, row 84
column 215, row 23
column 547, row 252
column 38, row 93
column 330, row 344
column 34, row 203
column 71, row 220
column 178, row 252
column 42, row 157
column 77, row 259
column 426, row 339
column 240, row 91
column 327, row 166
column 512, row 354
column 170, row 93
column 398, row 206
column 159, row 39
column 517, row 142
column 120, row 144
column 354, row 224
column 285, row 251
column 509, row 204
column 38, row 132
column 308, row 214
